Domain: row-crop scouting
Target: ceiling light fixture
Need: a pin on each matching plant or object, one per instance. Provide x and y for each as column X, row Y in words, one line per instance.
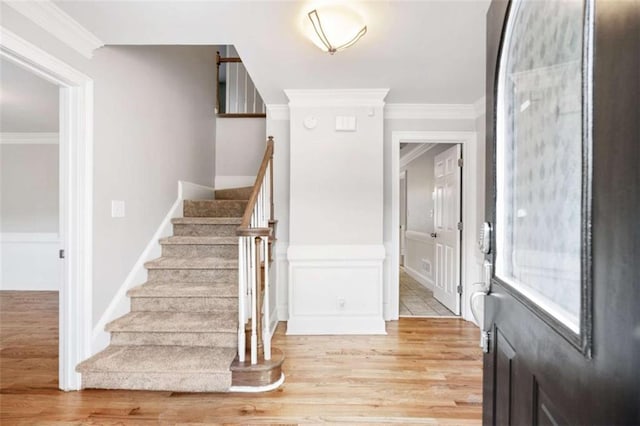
column 342, row 26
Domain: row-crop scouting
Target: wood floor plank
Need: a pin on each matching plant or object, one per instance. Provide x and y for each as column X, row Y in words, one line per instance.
column 424, row 371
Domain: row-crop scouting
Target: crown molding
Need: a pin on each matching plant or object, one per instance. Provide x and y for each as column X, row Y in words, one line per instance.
column 429, row 111
column 480, row 106
column 31, row 138
column 277, row 112
column 57, row 22
column 336, row 97
column 415, row 153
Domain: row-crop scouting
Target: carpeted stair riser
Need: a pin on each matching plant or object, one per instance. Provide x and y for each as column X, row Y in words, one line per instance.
column 184, row 304
column 224, row 251
column 184, row 289
column 160, row 338
column 214, row 329
column 214, row 208
column 204, row 230
column 174, row 381
column 193, row 275
column 234, row 193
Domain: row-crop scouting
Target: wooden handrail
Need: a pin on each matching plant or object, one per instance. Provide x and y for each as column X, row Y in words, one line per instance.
column 256, row 236
column 245, row 226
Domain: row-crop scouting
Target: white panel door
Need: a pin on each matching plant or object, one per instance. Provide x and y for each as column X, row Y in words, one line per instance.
column 446, row 233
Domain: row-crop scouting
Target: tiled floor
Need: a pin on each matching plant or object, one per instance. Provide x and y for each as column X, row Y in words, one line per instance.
column 416, row 300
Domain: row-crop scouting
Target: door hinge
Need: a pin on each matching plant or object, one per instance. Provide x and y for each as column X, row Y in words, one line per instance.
column 61, row 254
column 460, row 162
column 459, row 226
column 459, row 289
column 485, row 338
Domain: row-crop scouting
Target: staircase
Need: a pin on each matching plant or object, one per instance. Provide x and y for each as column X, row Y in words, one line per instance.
column 182, row 333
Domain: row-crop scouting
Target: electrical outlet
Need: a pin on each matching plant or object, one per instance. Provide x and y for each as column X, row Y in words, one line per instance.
column 341, row 303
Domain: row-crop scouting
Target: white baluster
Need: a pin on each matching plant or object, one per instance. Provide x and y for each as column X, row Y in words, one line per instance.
column 266, row 329
column 241, row 299
column 246, row 94
column 247, row 278
column 264, row 202
column 254, row 97
column 254, row 313
column 237, row 67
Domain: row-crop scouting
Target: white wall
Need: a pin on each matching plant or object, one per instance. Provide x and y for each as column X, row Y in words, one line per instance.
column 335, row 249
column 240, row 144
column 279, row 128
column 29, row 188
column 154, row 124
column 28, row 103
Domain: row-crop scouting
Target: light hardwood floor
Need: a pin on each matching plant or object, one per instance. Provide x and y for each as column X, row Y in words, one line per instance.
column 425, row 371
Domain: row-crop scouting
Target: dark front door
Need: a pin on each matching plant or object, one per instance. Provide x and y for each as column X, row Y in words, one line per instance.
column 562, row 315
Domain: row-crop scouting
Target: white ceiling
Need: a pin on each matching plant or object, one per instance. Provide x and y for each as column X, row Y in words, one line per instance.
column 424, row 51
column 27, row 102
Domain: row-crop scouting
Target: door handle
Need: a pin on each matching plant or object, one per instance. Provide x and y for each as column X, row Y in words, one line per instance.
column 485, row 289
column 434, row 235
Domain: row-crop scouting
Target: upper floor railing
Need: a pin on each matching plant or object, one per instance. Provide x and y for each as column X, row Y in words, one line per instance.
column 237, row 95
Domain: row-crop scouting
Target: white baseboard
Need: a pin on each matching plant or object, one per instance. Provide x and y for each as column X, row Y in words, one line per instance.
column 336, row 289
column 422, row 279
column 30, row 261
column 323, row 325
column 120, row 304
column 226, row 182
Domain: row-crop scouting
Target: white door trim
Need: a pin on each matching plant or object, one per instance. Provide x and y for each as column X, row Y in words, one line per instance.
column 76, row 198
column 469, row 214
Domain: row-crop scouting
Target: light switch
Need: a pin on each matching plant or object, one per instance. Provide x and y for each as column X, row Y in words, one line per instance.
column 345, row 123
column 117, row 208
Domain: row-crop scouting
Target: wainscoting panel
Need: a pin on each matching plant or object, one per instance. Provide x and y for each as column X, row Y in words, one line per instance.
column 30, row 261
column 420, row 258
column 335, row 289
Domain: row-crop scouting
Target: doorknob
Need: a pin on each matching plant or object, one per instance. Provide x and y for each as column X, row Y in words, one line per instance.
column 434, row 235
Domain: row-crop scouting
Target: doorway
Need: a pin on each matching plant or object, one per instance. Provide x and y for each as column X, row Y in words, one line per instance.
column 470, row 268
column 76, row 187
column 430, row 201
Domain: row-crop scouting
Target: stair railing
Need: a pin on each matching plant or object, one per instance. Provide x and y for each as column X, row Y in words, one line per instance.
column 256, row 238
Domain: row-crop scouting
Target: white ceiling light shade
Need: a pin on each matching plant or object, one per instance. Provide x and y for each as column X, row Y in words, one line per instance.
column 339, row 28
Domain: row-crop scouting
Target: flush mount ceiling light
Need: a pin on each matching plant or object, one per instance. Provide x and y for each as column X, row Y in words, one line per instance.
column 339, row 28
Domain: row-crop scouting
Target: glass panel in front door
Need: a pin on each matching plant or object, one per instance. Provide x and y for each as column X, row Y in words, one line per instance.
column 539, row 156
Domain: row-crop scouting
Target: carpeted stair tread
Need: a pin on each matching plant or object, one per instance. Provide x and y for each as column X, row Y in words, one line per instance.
column 175, row 322
column 206, row 221
column 192, row 240
column 184, row 290
column 160, row 359
column 192, row 263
